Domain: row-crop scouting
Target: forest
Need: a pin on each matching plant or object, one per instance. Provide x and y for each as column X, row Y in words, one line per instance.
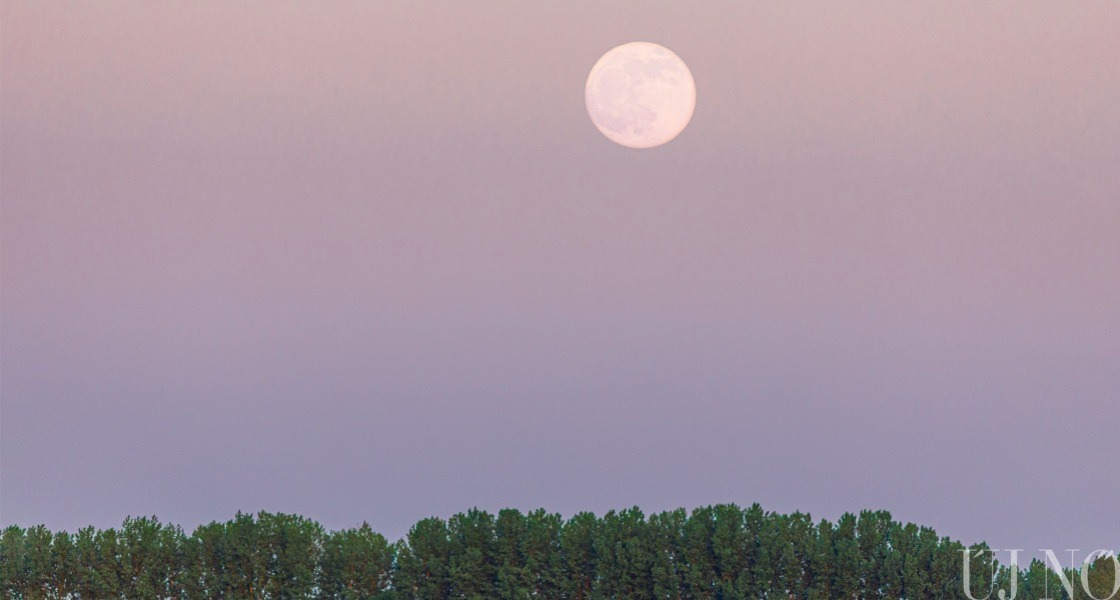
column 718, row 552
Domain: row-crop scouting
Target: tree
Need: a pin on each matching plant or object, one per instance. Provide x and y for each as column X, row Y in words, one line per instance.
column 823, row 562
column 625, row 556
column 881, row 576
column 945, row 571
column 473, row 546
column 98, row 559
column 982, row 569
column 149, row 553
column 580, row 558
column 356, row 564
column 916, row 547
column 717, row 552
column 213, row 565
column 697, row 555
column 732, row 545
column 246, row 573
column 288, row 547
column 798, row 539
column 13, row 559
column 188, row 583
column 423, row 562
column 513, row 578
column 64, row 567
column 846, row 575
column 542, row 551
column 1104, row 578
column 666, row 537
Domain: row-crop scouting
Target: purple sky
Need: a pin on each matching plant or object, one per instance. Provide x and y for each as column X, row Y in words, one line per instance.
column 372, row 261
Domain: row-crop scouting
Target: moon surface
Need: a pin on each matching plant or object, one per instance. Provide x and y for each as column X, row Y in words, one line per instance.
column 640, row 95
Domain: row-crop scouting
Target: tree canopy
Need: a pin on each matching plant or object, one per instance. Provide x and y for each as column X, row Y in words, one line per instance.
column 721, row 552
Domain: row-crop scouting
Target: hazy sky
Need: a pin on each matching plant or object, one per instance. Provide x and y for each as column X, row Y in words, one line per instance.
column 372, row 261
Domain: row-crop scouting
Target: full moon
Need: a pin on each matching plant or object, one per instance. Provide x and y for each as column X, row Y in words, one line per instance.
column 640, row 95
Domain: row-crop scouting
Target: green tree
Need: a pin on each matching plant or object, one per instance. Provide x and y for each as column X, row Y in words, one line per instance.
column 732, row 548
column 423, row 562
column 214, row 571
column 1103, row 578
column 1037, row 582
column 246, row 573
column 719, row 552
column 149, row 553
column 766, row 564
column 13, row 558
column 822, row 562
column 38, row 562
column 798, row 540
column 540, row 547
column 188, row 581
column 473, row 565
column 916, row 547
column 846, row 578
column 666, row 537
column 98, row 558
column 64, row 566
column 580, row 559
column 982, row 570
column 288, row 547
column 514, row 579
column 945, row 570
column 698, row 555
column 356, row 564
column 880, row 578
column 625, row 556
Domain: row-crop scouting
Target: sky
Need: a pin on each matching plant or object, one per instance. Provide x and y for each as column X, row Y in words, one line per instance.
column 371, row 261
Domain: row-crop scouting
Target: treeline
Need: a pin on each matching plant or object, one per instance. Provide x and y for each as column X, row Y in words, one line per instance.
column 715, row 553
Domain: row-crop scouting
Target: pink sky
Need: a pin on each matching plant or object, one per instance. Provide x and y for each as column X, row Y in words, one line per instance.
column 371, row 261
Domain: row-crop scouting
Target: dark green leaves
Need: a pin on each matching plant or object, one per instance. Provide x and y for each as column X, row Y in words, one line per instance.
column 719, row 552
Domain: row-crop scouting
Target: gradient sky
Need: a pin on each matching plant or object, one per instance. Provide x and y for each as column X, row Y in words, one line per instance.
column 372, row 261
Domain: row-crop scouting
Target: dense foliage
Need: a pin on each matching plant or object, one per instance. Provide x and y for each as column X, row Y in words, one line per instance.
column 715, row 553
